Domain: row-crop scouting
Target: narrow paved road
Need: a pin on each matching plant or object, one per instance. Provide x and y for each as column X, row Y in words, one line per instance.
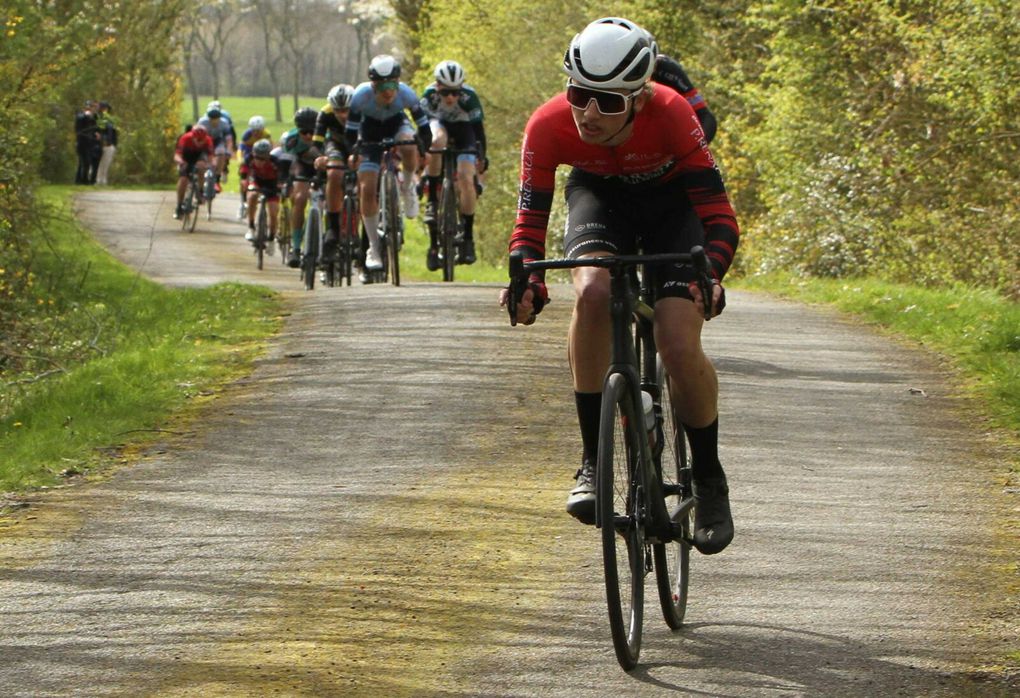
column 377, row 511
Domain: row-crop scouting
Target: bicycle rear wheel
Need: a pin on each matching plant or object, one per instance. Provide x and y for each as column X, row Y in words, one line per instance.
column 673, row 560
column 619, row 508
column 311, row 256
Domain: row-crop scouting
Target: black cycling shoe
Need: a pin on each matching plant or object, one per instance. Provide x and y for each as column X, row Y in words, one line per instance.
column 713, row 524
column 178, row 212
column 581, row 501
column 432, row 259
column 294, row 258
column 466, row 253
column 329, row 244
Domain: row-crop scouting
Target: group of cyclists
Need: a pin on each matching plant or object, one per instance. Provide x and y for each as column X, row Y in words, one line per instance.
column 635, row 132
column 345, row 136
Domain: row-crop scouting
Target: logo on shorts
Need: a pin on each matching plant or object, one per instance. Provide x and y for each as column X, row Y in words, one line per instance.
column 588, row 226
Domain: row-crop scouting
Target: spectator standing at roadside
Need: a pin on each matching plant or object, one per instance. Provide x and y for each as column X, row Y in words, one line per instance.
column 108, row 134
column 86, row 132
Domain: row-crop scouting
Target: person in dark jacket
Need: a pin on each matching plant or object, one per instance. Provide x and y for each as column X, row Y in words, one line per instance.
column 87, row 143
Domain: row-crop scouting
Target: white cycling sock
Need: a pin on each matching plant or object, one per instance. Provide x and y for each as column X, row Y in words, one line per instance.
column 372, row 229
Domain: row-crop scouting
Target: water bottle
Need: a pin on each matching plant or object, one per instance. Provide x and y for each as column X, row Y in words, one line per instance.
column 648, row 408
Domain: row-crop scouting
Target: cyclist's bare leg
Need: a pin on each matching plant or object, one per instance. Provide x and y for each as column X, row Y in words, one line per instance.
column 434, row 161
column 274, row 214
column 299, row 196
column 368, row 198
column 678, row 324
column 408, row 163
column 182, row 186
column 695, row 392
column 466, row 184
column 590, row 335
column 253, row 202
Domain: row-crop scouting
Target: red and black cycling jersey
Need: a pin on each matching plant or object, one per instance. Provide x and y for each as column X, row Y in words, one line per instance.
column 264, row 172
column 667, row 143
column 192, row 144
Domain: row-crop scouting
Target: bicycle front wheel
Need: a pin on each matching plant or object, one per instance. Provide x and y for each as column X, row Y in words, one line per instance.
column 393, row 228
column 448, row 219
column 311, row 256
column 619, row 509
column 673, row 560
column 261, row 235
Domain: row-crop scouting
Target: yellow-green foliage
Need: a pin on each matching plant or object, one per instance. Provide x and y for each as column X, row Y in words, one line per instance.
column 856, row 136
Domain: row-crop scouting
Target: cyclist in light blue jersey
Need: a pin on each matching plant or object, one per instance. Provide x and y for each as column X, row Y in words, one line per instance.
column 219, row 130
column 378, row 111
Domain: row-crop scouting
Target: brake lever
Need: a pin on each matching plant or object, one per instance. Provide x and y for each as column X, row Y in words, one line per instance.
column 700, row 258
column 516, row 288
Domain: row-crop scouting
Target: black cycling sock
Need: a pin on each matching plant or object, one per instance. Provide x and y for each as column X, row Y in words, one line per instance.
column 434, row 184
column 469, row 225
column 589, row 411
column 333, row 221
column 705, row 451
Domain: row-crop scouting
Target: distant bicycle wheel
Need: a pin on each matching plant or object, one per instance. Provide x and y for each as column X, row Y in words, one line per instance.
column 311, row 256
column 261, row 234
column 620, row 510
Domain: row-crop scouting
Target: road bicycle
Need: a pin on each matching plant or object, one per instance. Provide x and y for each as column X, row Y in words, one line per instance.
column 262, row 243
column 644, row 488
column 311, row 243
column 451, row 233
column 391, row 222
column 191, row 202
column 347, row 249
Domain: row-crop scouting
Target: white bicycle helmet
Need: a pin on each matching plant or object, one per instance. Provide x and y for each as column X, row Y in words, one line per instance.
column 611, row 53
column 256, row 123
column 340, row 96
column 384, row 67
column 449, row 74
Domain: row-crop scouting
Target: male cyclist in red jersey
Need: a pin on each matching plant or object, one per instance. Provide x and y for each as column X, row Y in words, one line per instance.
column 263, row 176
column 194, row 151
column 642, row 177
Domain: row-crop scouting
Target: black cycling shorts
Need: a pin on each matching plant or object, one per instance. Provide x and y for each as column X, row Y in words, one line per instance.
column 605, row 215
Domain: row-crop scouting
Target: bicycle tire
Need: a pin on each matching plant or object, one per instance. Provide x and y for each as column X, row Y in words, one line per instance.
column 186, row 208
column 311, row 257
column 393, row 229
column 347, row 244
column 261, row 235
column 283, row 230
column 619, row 511
column 672, row 560
column 193, row 207
column 448, row 216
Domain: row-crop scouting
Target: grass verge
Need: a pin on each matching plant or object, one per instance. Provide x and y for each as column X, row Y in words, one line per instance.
column 976, row 329
column 129, row 355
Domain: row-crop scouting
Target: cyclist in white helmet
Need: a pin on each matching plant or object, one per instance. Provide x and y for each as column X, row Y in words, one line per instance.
column 456, row 119
column 642, row 179
column 378, row 111
column 329, row 134
column 256, row 131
